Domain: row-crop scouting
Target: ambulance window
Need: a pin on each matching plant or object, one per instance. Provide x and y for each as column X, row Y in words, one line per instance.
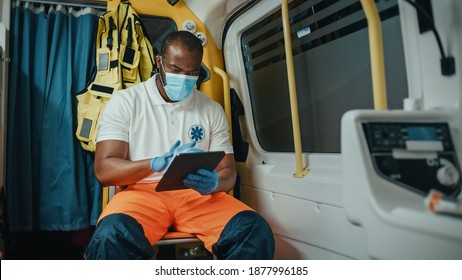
column 332, row 71
column 157, row 28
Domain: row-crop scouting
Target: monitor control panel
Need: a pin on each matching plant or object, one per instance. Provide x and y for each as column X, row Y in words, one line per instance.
column 416, row 156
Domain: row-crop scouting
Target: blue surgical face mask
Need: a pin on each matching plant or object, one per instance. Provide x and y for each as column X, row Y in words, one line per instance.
column 178, row 86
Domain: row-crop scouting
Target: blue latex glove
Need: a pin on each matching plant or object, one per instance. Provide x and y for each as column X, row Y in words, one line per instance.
column 161, row 163
column 187, row 148
column 203, row 181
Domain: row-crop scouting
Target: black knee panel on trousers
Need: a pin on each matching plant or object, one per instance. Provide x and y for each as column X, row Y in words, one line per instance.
column 119, row 237
column 247, row 236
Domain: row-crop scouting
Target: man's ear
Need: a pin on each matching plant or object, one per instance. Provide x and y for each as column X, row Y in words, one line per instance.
column 158, row 59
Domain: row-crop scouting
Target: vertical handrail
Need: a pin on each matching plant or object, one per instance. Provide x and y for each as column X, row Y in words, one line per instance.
column 301, row 171
column 376, row 54
column 227, row 105
column 227, row 98
column 104, row 197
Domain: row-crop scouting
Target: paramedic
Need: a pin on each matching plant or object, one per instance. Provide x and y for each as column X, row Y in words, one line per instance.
column 141, row 129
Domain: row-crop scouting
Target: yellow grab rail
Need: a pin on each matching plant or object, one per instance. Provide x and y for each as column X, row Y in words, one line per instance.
column 301, row 171
column 227, row 104
column 227, row 98
column 376, row 53
column 104, row 197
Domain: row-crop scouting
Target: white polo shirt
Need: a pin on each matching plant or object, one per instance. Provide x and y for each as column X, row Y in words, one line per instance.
column 141, row 117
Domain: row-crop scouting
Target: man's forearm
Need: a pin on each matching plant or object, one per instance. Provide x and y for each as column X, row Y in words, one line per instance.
column 114, row 171
column 226, row 179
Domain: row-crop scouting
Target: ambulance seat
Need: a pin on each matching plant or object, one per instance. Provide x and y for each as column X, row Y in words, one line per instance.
column 174, row 238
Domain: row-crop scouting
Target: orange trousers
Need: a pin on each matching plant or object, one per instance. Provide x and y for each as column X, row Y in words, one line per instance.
column 183, row 210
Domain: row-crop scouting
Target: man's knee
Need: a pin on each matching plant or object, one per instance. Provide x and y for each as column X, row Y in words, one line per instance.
column 246, row 236
column 119, row 236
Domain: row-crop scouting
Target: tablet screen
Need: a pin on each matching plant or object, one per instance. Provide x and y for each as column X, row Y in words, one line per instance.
column 184, row 164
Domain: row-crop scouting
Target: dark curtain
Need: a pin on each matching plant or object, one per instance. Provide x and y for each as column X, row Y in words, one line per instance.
column 50, row 184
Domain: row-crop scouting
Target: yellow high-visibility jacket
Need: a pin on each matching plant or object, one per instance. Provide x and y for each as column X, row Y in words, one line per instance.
column 124, row 57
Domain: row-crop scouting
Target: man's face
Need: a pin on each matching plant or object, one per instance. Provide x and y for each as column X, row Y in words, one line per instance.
column 179, row 60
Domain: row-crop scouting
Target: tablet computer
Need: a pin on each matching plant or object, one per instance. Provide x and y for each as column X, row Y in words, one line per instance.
column 184, row 164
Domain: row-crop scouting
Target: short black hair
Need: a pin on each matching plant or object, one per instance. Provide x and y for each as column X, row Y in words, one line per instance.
column 184, row 39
